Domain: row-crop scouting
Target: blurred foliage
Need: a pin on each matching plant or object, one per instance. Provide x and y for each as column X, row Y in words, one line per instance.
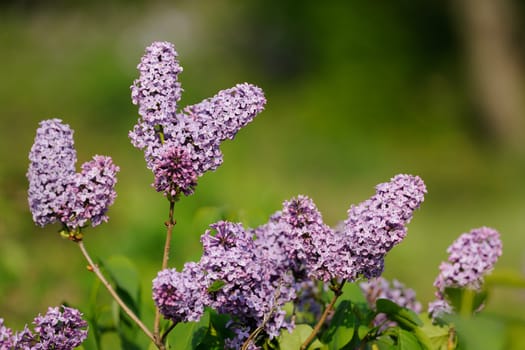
column 357, row 92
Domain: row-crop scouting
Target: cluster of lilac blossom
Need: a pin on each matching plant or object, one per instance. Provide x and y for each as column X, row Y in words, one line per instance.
column 58, row 330
column 471, row 256
column 56, row 192
column 232, row 277
column 187, row 140
column 375, row 226
column 252, row 273
column 381, row 288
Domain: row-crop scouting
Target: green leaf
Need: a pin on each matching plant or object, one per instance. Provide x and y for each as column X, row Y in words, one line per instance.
column 439, row 335
column 216, row 286
column 362, row 331
column 404, row 317
column 384, row 343
column 408, row 341
column 341, row 329
column 465, row 300
column 123, row 274
column 296, row 338
column 181, row 336
column 198, row 335
column 352, row 291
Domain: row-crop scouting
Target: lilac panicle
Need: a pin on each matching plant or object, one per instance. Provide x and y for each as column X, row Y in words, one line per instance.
column 181, row 296
column 471, row 256
column 380, row 288
column 253, row 289
column 311, row 242
column 197, row 130
column 6, row 336
column 229, row 110
column 376, row 225
column 60, row 330
column 57, row 330
column 174, row 172
column 232, row 277
column 94, row 189
column 51, row 168
column 25, row 339
column 56, row 192
column 157, row 91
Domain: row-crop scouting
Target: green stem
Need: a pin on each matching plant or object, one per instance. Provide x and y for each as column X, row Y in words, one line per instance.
column 170, row 224
column 467, row 303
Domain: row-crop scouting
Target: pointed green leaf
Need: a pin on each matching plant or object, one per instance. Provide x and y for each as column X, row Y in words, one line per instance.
column 124, row 274
column 216, row 286
column 341, row 329
column 405, row 317
column 439, row 336
column 408, row 341
column 296, row 338
column 190, row 335
column 461, row 298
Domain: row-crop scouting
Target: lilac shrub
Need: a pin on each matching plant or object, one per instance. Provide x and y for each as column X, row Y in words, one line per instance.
column 284, row 276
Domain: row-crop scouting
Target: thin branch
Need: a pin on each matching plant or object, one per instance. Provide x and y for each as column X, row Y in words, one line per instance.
column 337, row 293
column 93, row 267
column 170, row 328
column 170, row 224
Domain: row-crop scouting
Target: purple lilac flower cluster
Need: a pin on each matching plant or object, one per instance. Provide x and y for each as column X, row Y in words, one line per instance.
column 233, row 278
column 376, row 225
column 181, row 296
column 251, row 273
column 58, row 330
column 471, row 256
column 180, row 146
column 6, row 336
column 301, row 236
column 56, row 192
column 380, row 288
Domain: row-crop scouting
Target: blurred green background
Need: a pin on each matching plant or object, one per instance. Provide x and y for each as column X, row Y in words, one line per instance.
column 357, row 92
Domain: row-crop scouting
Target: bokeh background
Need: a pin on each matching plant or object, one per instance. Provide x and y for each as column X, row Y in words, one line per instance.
column 357, row 91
